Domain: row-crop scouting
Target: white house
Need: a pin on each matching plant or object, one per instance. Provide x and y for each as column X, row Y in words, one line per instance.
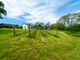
column 25, row 26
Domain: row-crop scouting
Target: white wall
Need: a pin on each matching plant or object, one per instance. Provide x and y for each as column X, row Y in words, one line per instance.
column 24, row 26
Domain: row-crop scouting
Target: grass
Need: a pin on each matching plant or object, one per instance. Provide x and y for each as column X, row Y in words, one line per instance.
column 42, row 45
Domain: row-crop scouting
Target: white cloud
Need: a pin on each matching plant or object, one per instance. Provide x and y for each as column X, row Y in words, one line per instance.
column 77, row 11
column 39, row 12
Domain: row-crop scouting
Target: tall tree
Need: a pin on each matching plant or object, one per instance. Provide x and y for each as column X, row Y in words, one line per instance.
column 2, row 10
column 78, row 18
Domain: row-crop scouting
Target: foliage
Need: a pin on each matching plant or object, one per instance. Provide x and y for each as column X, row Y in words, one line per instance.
column 58, row 26
column 2, row 10
column 71, row 21
column 74, row 27
column 38, row 25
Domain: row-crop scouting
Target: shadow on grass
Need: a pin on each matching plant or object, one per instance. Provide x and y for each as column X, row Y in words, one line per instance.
column 55, row 35
column 32, row 34
column 73, row 33
column 5, row 31
column 18, row 34
column 43, row 33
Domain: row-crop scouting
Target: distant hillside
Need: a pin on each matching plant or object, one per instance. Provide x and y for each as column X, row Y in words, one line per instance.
column 3, row 25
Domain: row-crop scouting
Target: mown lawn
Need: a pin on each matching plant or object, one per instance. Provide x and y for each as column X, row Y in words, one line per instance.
column 41, row 45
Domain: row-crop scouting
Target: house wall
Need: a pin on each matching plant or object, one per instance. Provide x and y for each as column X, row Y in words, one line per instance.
column 24, row 26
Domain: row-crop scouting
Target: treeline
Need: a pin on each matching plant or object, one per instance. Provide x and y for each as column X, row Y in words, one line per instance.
column 41, row 26
column 3, row 25
column 69, row 22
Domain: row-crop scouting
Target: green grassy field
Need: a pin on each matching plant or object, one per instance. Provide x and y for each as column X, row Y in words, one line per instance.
column 42, row 45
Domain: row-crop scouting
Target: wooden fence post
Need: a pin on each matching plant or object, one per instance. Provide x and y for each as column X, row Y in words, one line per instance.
column 14, row 32
column 29, row 29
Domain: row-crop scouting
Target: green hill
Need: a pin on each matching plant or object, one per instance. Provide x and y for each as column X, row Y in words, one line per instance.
column 41, row 45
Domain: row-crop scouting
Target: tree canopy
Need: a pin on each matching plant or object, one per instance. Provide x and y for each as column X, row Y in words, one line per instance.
column 2, row 10
column 71, row 21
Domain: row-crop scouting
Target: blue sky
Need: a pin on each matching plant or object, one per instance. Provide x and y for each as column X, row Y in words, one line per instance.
column 31, row 11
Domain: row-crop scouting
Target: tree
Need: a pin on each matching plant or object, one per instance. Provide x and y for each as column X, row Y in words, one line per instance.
column 58, row 26
column 38, row 25
column 70, row 21
column 78, row 18
column 64, row 20
column 2, row 10
column 47, row 26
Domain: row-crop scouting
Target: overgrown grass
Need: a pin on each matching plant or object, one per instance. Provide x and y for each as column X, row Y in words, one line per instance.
column 41, row 45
